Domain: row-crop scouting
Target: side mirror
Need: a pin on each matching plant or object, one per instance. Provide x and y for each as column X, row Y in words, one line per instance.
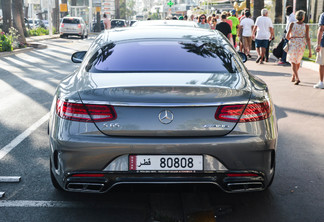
column 77, row 57
column 243, row 56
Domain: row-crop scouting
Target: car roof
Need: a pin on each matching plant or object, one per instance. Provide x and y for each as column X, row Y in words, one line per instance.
column 166, row 22
column 156, row 33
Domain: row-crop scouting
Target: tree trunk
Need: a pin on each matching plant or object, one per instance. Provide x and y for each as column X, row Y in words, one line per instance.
column 6, row 12
column 290, row 3
column 56, row 15
column 117, row 12
column 278, row 13
column 18, row 17
column 258, row 6
column 248, row 4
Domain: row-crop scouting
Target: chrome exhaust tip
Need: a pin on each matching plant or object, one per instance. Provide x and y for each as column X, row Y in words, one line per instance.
column 244, row 187
column 85, row 187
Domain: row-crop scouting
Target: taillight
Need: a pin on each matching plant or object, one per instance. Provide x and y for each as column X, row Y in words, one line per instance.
column 79, row 25
column 62, row 25
column 80, row 112
column 252, row 112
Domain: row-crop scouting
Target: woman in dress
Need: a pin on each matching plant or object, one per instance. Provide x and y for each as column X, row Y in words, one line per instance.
column 298, row 36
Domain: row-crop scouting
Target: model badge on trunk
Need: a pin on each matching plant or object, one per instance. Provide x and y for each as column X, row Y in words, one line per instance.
column 166, row 116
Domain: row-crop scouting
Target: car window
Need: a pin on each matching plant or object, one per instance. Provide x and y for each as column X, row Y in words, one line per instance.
column 71, row 21
column 117, row 23
column 163, row 56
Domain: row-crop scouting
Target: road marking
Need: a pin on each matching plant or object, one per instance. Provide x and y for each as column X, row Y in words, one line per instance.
column 33, row 203
column 68, row 204
column 10, row 179
column 5, row 150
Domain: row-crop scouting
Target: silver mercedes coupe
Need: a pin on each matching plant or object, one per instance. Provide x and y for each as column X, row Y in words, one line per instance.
column 162, row 104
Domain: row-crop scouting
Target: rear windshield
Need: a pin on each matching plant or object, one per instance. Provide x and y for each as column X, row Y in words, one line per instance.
column 163, row 56
column 71, row 21
column 117, row 23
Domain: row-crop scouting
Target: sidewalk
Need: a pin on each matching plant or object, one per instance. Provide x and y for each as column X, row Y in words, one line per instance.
column 32, row 41
column 304, row 64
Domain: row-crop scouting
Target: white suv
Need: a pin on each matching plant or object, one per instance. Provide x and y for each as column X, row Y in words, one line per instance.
column 73, row 26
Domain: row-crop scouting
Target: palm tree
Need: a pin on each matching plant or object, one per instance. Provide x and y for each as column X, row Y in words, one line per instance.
column 258, row 6
column 56, row 15
column 278, row 13
column 117, row 11
column 6, row 11
column 18, row 19
column 302, row 5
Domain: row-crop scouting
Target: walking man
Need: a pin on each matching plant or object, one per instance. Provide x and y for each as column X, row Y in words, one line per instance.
column 235, row 26
column 320, row 51
column 246, row 27
column 264, row 29
column 225, row 28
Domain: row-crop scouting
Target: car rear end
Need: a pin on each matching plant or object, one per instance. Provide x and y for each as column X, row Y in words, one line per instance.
column 71, row 26
column 169, row 125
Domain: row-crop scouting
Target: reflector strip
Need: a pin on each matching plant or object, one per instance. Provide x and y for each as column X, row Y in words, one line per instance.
column 88, row 175
column 242, row 175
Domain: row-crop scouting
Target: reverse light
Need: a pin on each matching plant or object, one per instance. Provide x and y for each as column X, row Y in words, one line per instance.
column 243, row 113
column 88, row 175
column 81, row 112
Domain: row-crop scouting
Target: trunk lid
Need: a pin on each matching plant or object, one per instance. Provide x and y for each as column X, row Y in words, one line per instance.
column 165, row 104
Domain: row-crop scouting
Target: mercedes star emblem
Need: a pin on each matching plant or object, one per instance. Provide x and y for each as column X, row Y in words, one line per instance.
column 166, row 116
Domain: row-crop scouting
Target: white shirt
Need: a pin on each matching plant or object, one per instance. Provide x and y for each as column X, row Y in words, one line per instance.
column 263, row 31
column 291, row 18
column 247, row 24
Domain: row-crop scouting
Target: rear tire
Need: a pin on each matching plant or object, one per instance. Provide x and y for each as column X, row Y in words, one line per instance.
column 82, row 36
column 53, row 179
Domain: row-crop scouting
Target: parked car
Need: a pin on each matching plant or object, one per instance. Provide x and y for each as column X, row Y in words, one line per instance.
column 102, row 27
column 34, row 23
column 132, row 22
column 73, row 26
column 118, row 23
column 162, row 104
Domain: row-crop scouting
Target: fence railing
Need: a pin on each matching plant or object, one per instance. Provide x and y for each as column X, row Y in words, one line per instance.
column 280, row 28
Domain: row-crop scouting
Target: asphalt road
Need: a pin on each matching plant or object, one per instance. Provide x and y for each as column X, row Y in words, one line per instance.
column 27, row 83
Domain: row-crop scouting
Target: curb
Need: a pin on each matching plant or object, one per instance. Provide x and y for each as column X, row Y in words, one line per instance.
column 16, row 51
column 310, row 65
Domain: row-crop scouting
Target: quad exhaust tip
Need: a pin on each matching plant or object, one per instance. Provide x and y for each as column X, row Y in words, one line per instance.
column 86, row 187
column 243, row 187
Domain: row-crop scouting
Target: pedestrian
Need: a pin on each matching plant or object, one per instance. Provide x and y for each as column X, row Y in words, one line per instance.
column 202, row 22
column 320, row 51
column 290, row 18
column 209, row 19
column 213, row 23
column 106, row 21
column 264, row 32
column 225, row 28
column 298, row 36
column 246, row 28
column 235, row 25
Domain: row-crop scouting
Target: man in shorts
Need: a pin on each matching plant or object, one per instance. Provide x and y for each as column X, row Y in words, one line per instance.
column 264, row 29
column 320, row 51
column 246, row 27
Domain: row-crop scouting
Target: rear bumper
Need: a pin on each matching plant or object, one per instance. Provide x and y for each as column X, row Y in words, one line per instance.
column 108, row 181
